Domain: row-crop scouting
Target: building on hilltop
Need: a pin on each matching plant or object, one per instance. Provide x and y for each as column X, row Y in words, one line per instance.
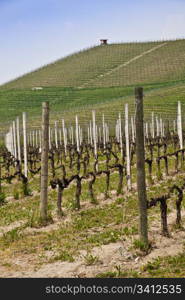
column 103, row 42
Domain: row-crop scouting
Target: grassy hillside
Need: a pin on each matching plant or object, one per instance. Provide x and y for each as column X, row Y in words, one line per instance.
column 82, row 67
column 163, row 64
column 66, row 102
column 104, row 66
column 102, row 77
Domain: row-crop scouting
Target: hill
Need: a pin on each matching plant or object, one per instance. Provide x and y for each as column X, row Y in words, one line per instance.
column 111, row 65
column 101, row 77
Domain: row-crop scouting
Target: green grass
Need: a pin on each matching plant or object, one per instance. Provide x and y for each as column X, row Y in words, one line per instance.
column 68, row 238
column 25, row 208
column 90, row 227
column 62, row 256
column 160, row 98
column 90, row 259
column 118, row 273
column 161, row 73
column 161, row 267
column 88, row 65
column 167, row 267
column 162, row 65
column 92, row 66
column 12, row 236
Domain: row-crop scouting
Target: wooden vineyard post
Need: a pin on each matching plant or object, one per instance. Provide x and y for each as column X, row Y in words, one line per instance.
column 18, row 140
column 127, row 149
column 72, row 137
column 8, row 141
column 161, row 127
column 40, row 141
column 96, row 130
column 14, row 140
column 79, row 129
column 95, row 138
column 103, row 125
column 49, row 138
column 90, row 131
column 77, row 135
column 64, row 136
column 167, row 127
column 44, row 162
column 132, row 127
column 81, row 135
column 36, row 138
column 144, row 132
column 88, row 136
column 157, row 126
column 0, row 176
column 60, row 136
column 30, row 138
column 56, row 135
column 117, row 131
column 174, row 126
column 11, row 141
column 106, row 133
column 69, row 134
column 33, row 135
column 140, row 161
column 147, row 130
column 153, row 126
column 94, row 133
column 179, row 125
column 25, row 145
column 100, row 135
column 120, row 137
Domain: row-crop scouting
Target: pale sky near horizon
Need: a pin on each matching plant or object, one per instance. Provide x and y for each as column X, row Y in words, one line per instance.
column 37, row 32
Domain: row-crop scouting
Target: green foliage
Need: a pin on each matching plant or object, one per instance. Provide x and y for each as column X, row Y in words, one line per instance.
column 33, row 218
column 104, row 66
column 108, row 274
column 138, row 244
column 150, row 266
column 90, row 259
column 2, row 198
column 26, row 191
column 118, row 273
column 35, row 221
column 168, row 266
column 106, row 237
column 11, row 236
column 16, row 194
column 39, row 222
column 62, row 256
column 120, row 200
column 130, row 230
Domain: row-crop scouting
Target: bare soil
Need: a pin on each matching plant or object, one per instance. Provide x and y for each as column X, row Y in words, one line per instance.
column 108, row 257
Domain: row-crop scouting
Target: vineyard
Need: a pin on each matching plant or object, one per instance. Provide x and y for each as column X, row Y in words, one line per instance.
column 87, row 156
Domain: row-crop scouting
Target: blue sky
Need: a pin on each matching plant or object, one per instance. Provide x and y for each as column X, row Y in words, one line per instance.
column 36, row 32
